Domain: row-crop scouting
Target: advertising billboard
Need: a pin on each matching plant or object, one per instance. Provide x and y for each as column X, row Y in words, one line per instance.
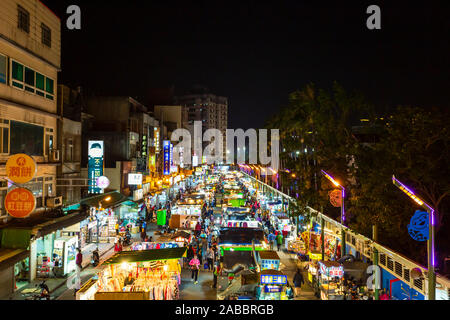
column 166, row 163
column 95, row 164
column 134, row 179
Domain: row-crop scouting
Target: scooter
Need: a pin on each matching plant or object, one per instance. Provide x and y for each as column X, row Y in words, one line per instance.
column 43, row 295
column 95, row 258
column 127, row 239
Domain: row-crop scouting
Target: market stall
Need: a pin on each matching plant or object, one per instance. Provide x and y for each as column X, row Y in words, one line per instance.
column 273, row 285
column 137, row 275
column 330, row 280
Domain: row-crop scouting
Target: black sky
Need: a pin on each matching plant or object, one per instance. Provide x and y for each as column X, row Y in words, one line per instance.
column 257, row 52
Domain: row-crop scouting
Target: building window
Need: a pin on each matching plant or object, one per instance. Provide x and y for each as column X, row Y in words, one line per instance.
column 26, row 138
column 29, row 80
column 46, row 35
column 69, row 150
column 48, row 141
column 4, row 136
column 3, row 66
column 23, row 19
column 23, row 77
column 36, row 186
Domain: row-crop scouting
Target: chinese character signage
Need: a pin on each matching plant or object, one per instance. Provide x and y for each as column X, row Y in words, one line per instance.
column 95, row 164
column 20, row 202
column 166, row 163
column 156, row 138
column 273, row 279
column 20, row 168
column 152, row 159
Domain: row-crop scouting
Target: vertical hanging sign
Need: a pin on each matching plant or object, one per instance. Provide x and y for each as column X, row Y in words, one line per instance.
column 95, row 164
column 166, row 150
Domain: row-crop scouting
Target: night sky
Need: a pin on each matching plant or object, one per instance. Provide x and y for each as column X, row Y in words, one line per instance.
column 257, row 52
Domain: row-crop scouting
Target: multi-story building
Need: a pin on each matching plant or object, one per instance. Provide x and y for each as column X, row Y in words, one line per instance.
column 127, row 129
column 70, row 107
column 210, row 109
column 29, row 63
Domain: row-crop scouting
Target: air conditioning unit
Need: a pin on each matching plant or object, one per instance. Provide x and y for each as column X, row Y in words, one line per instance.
column 54, row 155
column 54, row 202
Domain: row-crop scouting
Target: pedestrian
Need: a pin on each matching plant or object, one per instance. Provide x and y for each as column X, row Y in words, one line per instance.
column 271, row 238
column 210, row 258
column 117, row 228
column 195, row 266
column 79, row 260
column 279, row 241
column 216, row 272
column 298, row 281
column 143, row 235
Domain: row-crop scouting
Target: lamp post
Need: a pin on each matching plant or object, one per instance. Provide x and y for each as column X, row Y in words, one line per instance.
column 337, row 184
column 430, row 242
column 108, row 198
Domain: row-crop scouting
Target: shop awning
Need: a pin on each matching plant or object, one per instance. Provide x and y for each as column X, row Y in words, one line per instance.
column 116, row 198
column 41, row 225
column 14, row 238
column 9, row 257
column 232, row 258
column 147, row 255
column 182, row 234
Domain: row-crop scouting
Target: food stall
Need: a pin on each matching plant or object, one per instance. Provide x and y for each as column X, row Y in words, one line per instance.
column 153, row 245
column 273, row 285
column 182, row 238
column 137, row 275
column 241, row 239
column 330, row 280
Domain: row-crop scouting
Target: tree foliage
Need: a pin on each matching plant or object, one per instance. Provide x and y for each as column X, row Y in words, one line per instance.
column 317, row 131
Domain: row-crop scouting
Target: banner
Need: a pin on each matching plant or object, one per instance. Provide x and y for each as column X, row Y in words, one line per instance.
column 95, row 164
column 166, row 150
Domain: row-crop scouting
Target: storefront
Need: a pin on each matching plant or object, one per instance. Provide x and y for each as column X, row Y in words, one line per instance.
column 330, row 280
column 54, row 255
column 137, row 275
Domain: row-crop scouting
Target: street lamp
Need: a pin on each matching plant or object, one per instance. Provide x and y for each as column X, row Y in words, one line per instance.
column 430, row 242
column 108, row 198
column 337, row 184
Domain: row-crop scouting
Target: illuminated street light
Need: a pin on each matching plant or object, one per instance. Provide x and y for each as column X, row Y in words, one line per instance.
column 430, row 242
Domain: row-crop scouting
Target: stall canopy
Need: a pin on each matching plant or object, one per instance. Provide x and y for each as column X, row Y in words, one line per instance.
column 147, row 255
column 241, row 236
column 9, row 257
column 181, row 234
column 231, row 259
column 39, row 225
column 116, row 198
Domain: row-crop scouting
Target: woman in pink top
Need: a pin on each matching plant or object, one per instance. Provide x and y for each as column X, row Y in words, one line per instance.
column 195, row 266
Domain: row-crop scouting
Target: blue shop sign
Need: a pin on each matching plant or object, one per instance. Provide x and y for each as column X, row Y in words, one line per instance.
column 273, row 279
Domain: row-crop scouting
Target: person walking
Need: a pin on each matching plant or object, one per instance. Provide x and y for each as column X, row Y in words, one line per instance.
column 195, row 266
column 79, row 260
column 210, row 259
column 298, row 282
column 271, row 238
column 216, row 272
column 117, row 228
column 279, row 240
